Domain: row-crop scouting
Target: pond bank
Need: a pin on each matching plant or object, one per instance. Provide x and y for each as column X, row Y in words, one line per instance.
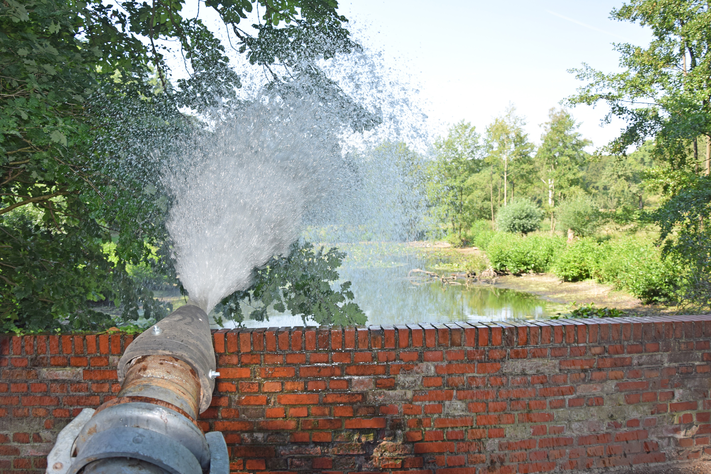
column 551, row 288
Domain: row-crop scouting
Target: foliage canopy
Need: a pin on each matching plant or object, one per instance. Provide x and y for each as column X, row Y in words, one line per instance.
column 77, row 79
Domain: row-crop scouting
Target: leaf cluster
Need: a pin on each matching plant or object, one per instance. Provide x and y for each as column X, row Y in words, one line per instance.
column 300, row 282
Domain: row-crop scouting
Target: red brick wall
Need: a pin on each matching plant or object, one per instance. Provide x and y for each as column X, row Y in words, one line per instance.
column 550, row 396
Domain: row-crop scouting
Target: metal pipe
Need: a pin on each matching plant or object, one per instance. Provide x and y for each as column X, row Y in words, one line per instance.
column 167, row 377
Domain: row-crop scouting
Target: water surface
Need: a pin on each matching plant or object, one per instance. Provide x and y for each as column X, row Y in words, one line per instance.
column 390, row 290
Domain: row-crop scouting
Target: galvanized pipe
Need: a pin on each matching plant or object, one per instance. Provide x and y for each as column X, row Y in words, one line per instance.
column 167, row 376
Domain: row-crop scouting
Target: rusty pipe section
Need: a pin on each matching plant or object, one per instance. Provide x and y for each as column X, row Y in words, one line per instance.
column 167, row 377
column 184, row 335
column 163, row 378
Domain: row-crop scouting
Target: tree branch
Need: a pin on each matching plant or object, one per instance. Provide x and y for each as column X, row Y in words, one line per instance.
column 34, row 199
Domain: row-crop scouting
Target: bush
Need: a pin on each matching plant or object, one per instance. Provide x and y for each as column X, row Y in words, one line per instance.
column 476, row 264
column 520, row 217
column 638, row 267
column 480, row 233
column 589, row 311
column 516, row 254
column 456, row 241
column 580, row 260
column 580, row 214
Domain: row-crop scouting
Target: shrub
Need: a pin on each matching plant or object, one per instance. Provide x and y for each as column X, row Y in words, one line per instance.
column 520, row 216
column 480, row 233
column 516, row 254
column 580, row 214
column 580, row 260
column 638, row 267
column 456, row 241
column 476, row 264
column 589, row 311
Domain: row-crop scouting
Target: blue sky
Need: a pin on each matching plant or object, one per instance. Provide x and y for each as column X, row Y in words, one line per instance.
column 472, row 58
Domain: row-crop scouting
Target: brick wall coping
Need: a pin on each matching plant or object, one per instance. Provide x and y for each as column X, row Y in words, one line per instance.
column 453, row 334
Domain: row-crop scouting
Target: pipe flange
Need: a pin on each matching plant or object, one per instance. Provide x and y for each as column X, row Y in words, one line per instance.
column 59, row 459
column 137, row 443
column 219, row 455
column 147, row 417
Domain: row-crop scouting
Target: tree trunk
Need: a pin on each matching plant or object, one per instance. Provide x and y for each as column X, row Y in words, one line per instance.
column 708, row 155
column 550, row 192
column 491, row 189
column 499, row 190
column 506, row 176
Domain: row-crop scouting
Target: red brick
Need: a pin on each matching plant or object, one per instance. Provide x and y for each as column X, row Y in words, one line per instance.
column 362, row 337
column 245, row 341
column 310, row 339
column 218, row 338
column 343, row 411
column 487, row 367
column 443, row 447
column 300, row 399
column 283, row 340
column 252, row 400
column 556, row 391
column 270, row 340
column 297, row 341
column 361, row 423
column 298, row 412
column 453, row 422
column 365, row 370
column 631, row 436
column 504, row 419
column 683, row 406
column 577, row 363
column 100, row 374
column 34, row 400
column 277, row 425
column 321, row 437
column 256, row 464
column 235, row 373
column 277, row 372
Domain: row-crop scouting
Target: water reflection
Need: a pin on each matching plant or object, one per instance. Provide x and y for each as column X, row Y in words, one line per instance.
column 390, row 293
column 389, row 297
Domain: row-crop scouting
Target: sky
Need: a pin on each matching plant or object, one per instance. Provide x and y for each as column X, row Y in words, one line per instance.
column 470, row 59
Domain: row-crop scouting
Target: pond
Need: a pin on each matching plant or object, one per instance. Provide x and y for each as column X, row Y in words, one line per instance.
column 395, row 284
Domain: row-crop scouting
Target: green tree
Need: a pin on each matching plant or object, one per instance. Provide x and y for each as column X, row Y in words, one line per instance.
column 508, row 151
column 457, row 158
column 664, row 94
column 77, row 81
column 580, row 215
column 617, row 182
column 520, row 216
column 561, row 155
